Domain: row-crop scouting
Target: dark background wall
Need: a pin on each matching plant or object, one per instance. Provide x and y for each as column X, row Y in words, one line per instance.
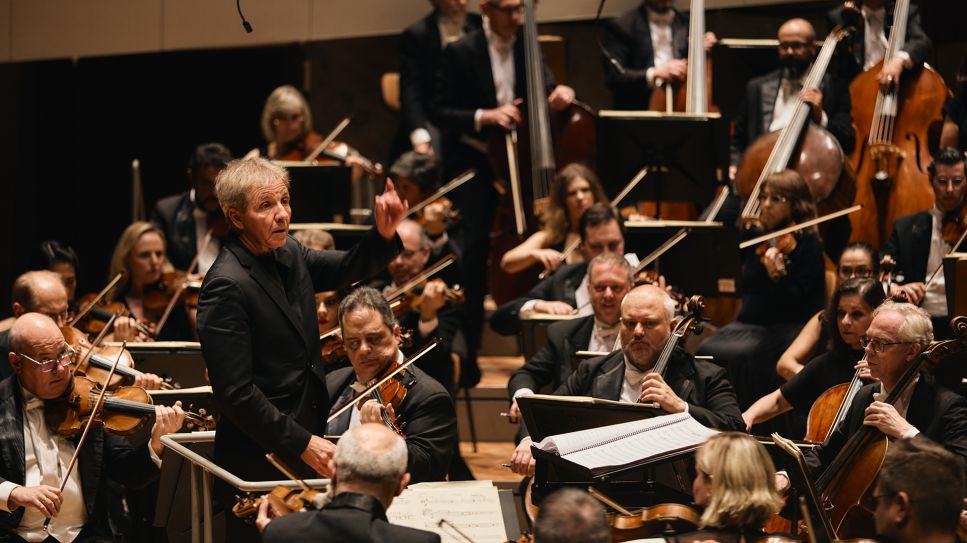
column 71, row 129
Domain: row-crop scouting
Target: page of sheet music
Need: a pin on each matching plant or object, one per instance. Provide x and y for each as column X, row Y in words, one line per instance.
column 682, row 434
column 564, row 444
column 472, row 506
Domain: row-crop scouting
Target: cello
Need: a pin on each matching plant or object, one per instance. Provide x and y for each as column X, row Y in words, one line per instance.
column 892, row 131
column 527, row 165
column 802, row 146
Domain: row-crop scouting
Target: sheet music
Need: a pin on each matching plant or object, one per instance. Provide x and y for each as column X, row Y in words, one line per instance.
column 472, row 506
column 565, row 444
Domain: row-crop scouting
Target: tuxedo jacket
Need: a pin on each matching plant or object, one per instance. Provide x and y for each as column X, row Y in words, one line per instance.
column 173, row 215
column 559, row 287
column 939, row 414
column 754, row 115
column 552, row 364
column 429, row 422
column 5, row 369
column 704, row 386
column 909, row 245
column 350, row 518
column 260, row 339
column 916, row 43
column 102, row 456
column 628, row 39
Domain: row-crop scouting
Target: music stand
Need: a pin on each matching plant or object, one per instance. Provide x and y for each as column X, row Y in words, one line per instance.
column 319, row 193
column 688, row 155
column 737, row 61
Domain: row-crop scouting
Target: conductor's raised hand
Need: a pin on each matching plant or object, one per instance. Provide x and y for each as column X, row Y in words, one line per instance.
column 390, row 210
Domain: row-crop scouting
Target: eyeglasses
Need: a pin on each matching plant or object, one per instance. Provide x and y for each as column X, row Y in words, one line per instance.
column 955, row 181
column 849, row 272
column 774, row 198
column 794, row 45
column 878, row 345
column 49, row 366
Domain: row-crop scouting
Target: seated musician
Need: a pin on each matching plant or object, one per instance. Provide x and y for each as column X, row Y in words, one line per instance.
column 920, row 241
column 919, row 493
column 859, row 260
column 368, row 471
column 774, row 305
column 609, row 279
column 565, row 292
column 35, row 458
column 846, row 319
column 434, row 315
column 61, row 259
column 868, row 45
column 649, row 45
column 318, row 239
column 574, row 190
column 647, row 320
column 898, row 333
column 734, row 485
column 372, row 339
column 141, row 254
column 186, row 218
column 570, row 515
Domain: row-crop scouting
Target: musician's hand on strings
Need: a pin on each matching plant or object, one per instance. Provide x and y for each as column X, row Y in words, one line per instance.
column 864, row 366
column 813, row 97
column 317, row 455
column 553, row 308
column 549, row 258
column 561, row 97
column 372, row 411
column 148, row 381
column 513, row 415
column 46, row 499
column 884, row 417
column 522, row 462
column 912, row 291
column 782, row 483
column 655, row 389
column 434, row 298
column 267, row 514
column 167, row 420
column 675, row 69
column 434, row 217
column 506, row 116
column 710, row 41
column 125, row 329
column 389, row 211
column 889, row 76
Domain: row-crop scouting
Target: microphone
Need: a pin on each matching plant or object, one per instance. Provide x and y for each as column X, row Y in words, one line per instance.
column 245, row 24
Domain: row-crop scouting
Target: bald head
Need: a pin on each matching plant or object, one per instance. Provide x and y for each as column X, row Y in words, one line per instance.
column 371, row 459
column 38, row 337
column 649, row 295
column 800, row 28
column 40, row 292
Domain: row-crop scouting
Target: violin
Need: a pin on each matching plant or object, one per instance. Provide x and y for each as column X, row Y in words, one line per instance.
column 648, row 521
column 414, row 297
column 775, row 261
column 95, row 361
column 124, row 411
column 283, row 499
column 313, row 145
column 101, row 312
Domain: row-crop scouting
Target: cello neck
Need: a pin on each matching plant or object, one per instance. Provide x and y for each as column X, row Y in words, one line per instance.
column 696, row 100
column 539, row 124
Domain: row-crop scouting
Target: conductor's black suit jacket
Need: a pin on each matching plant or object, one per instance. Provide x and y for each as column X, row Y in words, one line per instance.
column 258, row 332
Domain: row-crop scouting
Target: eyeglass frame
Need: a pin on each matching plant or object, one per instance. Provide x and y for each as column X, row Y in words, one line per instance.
column 774, row 198
column 865, row 341
column 69, row 355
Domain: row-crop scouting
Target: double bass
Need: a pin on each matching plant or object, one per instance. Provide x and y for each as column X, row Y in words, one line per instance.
column 892, row 129
column 527, row 165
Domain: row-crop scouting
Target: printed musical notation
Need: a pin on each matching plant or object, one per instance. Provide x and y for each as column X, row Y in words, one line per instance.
column 472, row 506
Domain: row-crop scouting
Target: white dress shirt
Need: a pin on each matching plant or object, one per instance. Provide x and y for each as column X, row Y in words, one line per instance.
column 46, row 457
column 935, row 298
column 874, row 37
column 501, row 66
column 206, row 258
column 604, row 338
column 660, row 26
column 786, row 103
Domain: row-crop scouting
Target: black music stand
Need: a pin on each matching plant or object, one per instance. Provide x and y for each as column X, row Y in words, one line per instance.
column 736, row 61
column 319, row 193
column 688, row 155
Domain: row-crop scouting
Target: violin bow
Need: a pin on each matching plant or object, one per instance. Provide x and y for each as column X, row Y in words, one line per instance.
column 571, row 247
column 442, row 191
column 100, row 295
column 406, row 363
column 286, row 470
column 87, row 427
column 329, row 139
column 422, row 276
column 97, row 342
column 800, row 226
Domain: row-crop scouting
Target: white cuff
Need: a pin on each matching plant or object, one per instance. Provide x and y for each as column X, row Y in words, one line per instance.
column 906, row 58
column 686, row 407
column 528, row 306
column 912, row 432
column 428, row 326
column 476, row 119
column 521, row 391
column 650, row 77
column 418, row 136
column 6, row 488
column 824, row 121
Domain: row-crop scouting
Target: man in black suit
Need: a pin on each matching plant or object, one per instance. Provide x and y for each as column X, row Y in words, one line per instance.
column 368, row 471
column 34, row 458
column 184, row 217
column 647, row 321
column 479, row 85
column 609, row 279
column 897, row 334
column 565, row 291
column 421, row 50
column 257, row 322
column 917, row 243
column 372, row 339
column 645, row 47
column 868, row 45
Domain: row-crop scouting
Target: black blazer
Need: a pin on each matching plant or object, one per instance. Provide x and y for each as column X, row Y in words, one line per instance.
column 754, row 115
column 552, row 364
column 103, row 455
column 916, row 43
column 628, row 39
column 938, row 413
column 350, row 518
column 909, row 245
column 173, row 215
column 420, row 57
column 560, row 287
column 260, row 340
column 705, row 387
column 5, row 369
column 429, row 420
